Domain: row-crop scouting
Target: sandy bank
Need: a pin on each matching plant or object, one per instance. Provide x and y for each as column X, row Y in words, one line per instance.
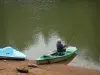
column 9, row 68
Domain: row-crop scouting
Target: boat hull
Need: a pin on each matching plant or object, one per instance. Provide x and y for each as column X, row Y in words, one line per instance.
column 11, row 58
column 49, row 61
column 55, row 59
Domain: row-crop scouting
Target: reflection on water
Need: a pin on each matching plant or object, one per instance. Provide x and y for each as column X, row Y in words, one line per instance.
column 33, row 26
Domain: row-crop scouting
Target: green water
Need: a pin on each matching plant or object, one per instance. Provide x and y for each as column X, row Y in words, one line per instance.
column 33, row 26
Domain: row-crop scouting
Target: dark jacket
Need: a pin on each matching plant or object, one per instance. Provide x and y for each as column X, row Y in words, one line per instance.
column 60, row 47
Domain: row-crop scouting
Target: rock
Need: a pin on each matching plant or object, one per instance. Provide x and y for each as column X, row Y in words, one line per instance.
column 2, row 68
column 32, row 65
column 5, row 60
column 22, row 70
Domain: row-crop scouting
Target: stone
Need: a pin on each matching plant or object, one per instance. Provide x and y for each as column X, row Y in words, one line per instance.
column 32, row 65
column 22, row 70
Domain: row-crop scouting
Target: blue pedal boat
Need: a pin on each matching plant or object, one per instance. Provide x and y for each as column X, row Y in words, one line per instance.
column 11, row 53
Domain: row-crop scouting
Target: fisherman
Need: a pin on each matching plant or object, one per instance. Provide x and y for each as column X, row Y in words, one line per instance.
column 60, row 46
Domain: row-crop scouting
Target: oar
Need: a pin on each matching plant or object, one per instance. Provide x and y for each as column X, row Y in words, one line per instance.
column 51, row 52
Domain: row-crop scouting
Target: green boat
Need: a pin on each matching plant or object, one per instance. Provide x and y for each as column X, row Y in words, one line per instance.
column 57, row 56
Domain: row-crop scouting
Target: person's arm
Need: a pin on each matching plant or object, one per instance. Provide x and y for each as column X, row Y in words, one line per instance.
column 65, row 46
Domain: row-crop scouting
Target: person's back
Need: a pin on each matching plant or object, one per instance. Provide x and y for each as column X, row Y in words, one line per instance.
column 60, row 46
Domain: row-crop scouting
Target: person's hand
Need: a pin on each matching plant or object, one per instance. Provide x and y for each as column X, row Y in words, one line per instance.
column 65, row 46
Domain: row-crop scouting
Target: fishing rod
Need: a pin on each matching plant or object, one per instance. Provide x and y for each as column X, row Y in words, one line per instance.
column 73, row 34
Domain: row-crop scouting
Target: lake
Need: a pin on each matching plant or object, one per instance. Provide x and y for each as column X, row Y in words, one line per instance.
column 33, row 26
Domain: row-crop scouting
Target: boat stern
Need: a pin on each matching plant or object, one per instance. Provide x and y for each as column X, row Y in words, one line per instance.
column 19, row 55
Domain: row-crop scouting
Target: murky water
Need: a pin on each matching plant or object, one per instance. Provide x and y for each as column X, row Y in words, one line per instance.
column 33, row 26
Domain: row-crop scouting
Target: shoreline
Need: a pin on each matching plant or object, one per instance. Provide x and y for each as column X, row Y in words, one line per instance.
column 8, row 67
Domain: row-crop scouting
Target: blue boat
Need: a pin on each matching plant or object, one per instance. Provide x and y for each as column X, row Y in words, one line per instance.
column 11, row 53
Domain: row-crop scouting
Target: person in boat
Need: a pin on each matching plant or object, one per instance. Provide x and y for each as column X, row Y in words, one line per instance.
column 60, row 46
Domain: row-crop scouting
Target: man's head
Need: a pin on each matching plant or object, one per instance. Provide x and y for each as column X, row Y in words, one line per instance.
column 59, row 40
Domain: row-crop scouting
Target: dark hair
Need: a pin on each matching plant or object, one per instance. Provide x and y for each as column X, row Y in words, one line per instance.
column 59, row 41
